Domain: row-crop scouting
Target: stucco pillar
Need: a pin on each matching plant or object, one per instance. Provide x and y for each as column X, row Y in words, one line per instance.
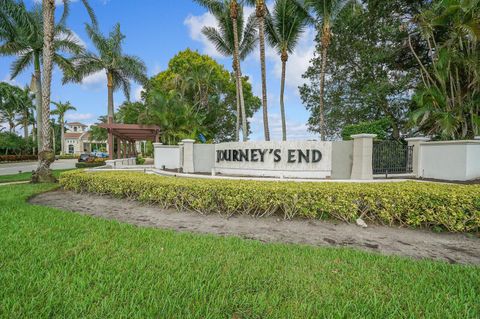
column 156, row 159
column 180, row 149
column 188, row 166
column 362, row 156
column 416, row 143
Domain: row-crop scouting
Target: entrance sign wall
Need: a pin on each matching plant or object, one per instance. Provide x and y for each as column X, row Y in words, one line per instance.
column 292, row 159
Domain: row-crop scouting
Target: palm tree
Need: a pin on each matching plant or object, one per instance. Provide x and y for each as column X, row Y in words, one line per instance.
column 61, row 109
column 284, row 28
column 21, row 35
column 448, row 100
column 25, row 109
column 261, row 12
column 8, row 105
column 119, row 67
column 326, row 12
column 45, row 154
column 234, row 38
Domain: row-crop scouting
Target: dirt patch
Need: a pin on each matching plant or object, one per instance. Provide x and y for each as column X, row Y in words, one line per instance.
column 452, row 248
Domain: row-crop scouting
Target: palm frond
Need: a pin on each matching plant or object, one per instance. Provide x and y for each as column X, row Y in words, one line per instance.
column 21, row 63
column 214, row 36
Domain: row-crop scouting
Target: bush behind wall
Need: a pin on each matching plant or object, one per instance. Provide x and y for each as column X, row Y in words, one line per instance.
column 454, row 208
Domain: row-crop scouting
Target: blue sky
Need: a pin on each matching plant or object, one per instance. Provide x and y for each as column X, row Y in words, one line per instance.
column 155, row 31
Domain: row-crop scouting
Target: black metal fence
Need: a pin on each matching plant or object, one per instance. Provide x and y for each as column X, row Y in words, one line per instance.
column 392, row 157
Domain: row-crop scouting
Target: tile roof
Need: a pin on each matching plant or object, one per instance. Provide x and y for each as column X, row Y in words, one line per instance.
column 73, row 135
column 76, row 123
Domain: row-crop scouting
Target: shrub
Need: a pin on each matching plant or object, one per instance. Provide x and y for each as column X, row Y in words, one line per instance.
column 17, row 158
column 379, row 127
column 90, row 164
column 139, row 160
column 454, row 208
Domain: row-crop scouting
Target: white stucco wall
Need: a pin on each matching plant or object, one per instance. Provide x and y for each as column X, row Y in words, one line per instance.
column 450, row 160
column 282, row 168
column 342, row 159
column 166, row 155
column 203, row 158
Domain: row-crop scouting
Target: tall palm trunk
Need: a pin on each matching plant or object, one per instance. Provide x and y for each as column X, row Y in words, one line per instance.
column 237, row 124
column 282, row 93
column 110, row 97
column 11, row 125
column 260, row 12
column 38, row 98
column 238, row 71
column 62, row 134
column 326, row 35
column 46, row 156
column 26, row 116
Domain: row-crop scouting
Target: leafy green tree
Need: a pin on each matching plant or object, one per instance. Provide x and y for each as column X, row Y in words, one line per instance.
column 326, row 13
column 236, row 39
column 448, row 101
column 119, row 67
column 11, row 142
column 61, row 110
column 21, row 35
column 203, row 92
column 9, row 105
column 129, row 112
column 371, row 71
column 25, row 109
column 284, row 28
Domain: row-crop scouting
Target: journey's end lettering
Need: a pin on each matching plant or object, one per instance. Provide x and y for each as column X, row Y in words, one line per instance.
column 260, row 155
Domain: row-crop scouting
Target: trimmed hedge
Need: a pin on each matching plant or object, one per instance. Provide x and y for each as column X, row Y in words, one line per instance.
column 454, row 208
column 89, row 164
column 17, row 158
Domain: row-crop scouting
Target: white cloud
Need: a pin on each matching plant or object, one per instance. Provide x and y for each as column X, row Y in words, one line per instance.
column 195, row 25
column 96, row 80
column 138, row 93
column 8, row 80
column 78, row 117
column 296, row 130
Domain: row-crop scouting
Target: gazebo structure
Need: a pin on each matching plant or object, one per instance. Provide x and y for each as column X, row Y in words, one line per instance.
column 126, row 136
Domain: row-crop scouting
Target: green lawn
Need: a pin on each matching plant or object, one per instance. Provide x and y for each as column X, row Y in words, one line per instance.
column 25, row 176
column 59, row 264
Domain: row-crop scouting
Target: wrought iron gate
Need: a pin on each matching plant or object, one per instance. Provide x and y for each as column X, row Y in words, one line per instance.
column 392, row 157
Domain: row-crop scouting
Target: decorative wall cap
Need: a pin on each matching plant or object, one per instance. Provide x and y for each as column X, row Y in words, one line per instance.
column 188, row 141
column 363, row 136
column 418, row 139
column 458, row 142
column 160, row 145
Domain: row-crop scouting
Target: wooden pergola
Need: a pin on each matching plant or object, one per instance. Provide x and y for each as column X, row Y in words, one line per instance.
column 126, row 135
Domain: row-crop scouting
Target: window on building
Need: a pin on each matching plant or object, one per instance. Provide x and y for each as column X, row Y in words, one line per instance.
column 74, row 128
column 71, row 149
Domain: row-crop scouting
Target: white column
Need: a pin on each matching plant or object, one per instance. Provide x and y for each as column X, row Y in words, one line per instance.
column 416, row 143
column 362, row 156
column 156, row 158
column 188, row 166
column 180, row 150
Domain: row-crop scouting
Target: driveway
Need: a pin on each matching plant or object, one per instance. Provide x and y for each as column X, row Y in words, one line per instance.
column 14, row 168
